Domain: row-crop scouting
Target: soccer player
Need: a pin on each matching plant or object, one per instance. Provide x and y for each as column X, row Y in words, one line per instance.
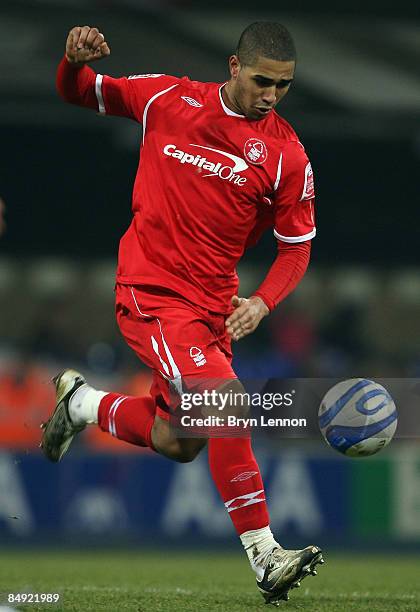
column 218, row 166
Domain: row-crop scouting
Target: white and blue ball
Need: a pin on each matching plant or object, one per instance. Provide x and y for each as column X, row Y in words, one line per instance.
column 358, row 417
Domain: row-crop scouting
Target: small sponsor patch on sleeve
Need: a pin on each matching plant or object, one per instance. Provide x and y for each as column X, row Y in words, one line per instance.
column 308, row 187
column 145, row 76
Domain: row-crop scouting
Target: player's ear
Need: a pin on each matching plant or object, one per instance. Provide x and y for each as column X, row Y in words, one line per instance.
column 234, row 66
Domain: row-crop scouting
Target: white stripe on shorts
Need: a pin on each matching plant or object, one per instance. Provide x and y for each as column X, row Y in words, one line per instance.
column 175, row 375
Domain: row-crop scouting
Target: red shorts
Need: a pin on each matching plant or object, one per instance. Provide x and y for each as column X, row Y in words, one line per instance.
column 186, row 346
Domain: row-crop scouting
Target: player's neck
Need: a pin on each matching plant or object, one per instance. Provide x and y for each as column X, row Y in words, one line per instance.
column 229, row 99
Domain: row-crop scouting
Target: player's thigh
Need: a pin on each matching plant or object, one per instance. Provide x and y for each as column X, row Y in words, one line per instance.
column 136, row 328
column 179, row 342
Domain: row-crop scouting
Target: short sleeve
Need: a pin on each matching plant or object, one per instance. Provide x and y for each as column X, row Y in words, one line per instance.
column 294, row 196
column 129, row 96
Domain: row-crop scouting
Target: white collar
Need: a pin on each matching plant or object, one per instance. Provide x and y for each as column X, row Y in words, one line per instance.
column 225, row 108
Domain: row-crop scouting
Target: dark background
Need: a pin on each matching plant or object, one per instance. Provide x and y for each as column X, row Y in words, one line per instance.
column 66, row 175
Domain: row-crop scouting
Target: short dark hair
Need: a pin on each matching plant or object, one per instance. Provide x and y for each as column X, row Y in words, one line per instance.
column 266, row 39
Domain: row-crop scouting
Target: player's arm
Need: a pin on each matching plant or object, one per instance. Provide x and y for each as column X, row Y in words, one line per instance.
column 75, row 79
column 284, row 275
column 78, row 84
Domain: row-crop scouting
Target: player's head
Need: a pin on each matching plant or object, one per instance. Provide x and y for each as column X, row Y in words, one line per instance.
column 262, row 68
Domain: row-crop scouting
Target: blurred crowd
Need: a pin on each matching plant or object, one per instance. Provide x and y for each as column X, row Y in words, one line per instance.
column 321, row 331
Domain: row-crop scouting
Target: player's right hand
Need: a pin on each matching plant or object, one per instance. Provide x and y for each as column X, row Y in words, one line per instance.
column 85, row 44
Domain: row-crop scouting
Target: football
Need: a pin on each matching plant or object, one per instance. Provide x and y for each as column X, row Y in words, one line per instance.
column 358, row 417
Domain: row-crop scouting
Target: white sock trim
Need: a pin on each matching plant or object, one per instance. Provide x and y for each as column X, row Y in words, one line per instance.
column 84, row 405
column 258, row 543
column 112, row 411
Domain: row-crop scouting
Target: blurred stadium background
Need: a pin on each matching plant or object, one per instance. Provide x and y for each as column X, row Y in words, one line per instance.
column 66, row 177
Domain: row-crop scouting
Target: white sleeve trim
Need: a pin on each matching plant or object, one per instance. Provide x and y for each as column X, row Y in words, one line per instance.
column 293, row 239
column 146, row 108
column 98, row 92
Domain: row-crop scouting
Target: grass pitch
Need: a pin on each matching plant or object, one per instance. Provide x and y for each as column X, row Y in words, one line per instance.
column 191, row 582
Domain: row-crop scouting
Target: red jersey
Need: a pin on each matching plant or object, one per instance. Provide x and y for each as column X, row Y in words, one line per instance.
column 208, row 183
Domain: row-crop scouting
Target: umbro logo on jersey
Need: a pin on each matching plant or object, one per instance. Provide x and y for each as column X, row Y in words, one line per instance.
column 191, row 101
column 226, row 173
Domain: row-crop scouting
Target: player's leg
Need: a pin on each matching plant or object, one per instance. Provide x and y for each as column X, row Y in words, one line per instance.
column 237, row 476
column 145, row 421
column 132, row 419
column 78, row 405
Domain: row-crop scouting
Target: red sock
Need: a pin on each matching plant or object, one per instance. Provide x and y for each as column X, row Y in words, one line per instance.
column 238, row 479
column 128, row 418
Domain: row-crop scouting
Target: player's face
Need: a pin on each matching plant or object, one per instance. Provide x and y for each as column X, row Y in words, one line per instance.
column 256, row 90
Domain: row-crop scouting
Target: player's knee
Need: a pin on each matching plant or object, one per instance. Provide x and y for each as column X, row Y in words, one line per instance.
column 180, row 450
column 184, row 453
column 235, row 399
column 186, row 456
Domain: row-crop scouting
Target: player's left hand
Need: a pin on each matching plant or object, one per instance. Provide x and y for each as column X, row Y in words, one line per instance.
column 246, row 316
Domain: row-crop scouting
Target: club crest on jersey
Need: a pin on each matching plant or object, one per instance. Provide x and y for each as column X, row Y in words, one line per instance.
column 197, row 356
column 255, row 151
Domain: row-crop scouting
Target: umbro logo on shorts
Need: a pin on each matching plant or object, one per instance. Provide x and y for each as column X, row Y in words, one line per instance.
column 191, row 101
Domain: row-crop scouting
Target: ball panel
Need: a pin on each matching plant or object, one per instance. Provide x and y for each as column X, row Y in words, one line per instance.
column 337, row 398
column 367, row 447
column 343, row 437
